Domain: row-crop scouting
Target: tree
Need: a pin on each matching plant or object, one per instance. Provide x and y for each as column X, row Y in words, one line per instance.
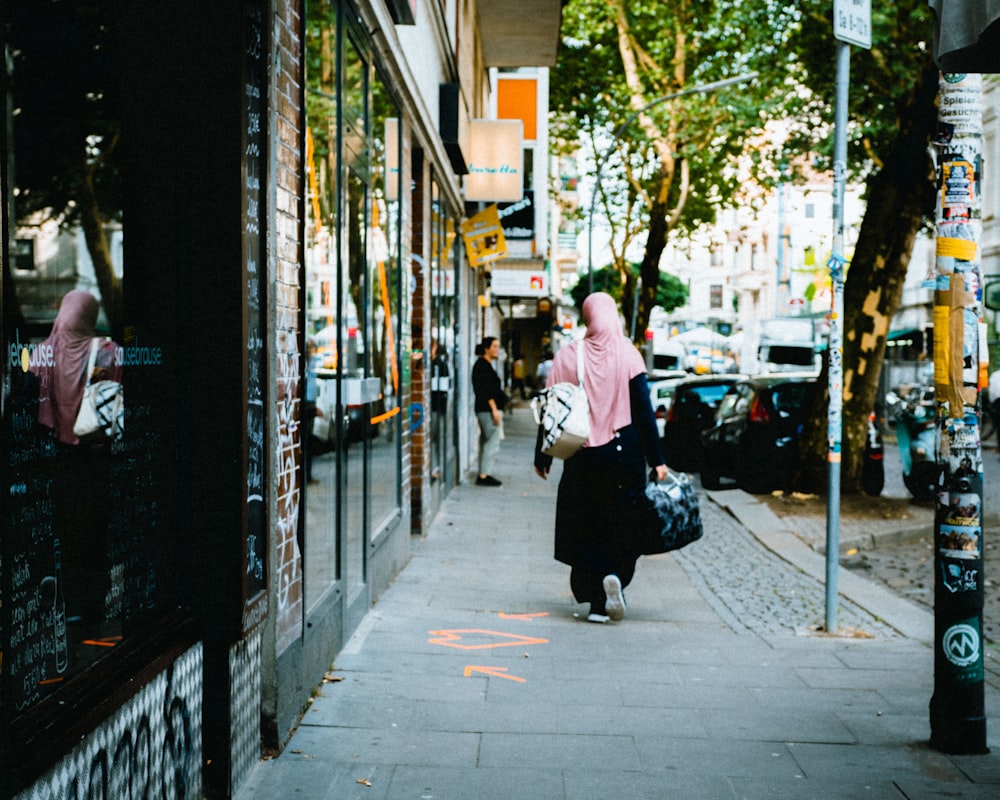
column 670, row 292
column 64, row 87
column 675, row 166
column 892, row 117
column 614, row 61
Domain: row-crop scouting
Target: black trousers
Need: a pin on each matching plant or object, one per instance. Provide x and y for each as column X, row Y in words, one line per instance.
column 591, row 536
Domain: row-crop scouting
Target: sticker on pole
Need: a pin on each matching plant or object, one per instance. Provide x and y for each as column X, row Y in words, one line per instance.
column 961, row 645
column 852, row 22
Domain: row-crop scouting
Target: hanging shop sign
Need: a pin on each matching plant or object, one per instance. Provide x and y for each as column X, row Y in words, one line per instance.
column 483, row 237
column 518, row 218
column 520, row 283
column 496, row 172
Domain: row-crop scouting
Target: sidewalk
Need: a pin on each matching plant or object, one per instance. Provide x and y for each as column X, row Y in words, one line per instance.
column 474, row 677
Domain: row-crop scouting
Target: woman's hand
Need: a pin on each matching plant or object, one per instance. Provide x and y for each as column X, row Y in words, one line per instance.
column 661, row 472
column 542, row 473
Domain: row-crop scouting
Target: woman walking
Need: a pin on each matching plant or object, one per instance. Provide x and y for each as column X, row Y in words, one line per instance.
column 610, row 469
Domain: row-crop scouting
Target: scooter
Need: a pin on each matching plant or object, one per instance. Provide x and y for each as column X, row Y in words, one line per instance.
column 912, row 411
column 873, row 466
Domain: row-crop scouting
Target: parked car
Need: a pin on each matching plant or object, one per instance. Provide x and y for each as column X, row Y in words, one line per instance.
column 691, row 410
column 661, row 389
column 754, row 436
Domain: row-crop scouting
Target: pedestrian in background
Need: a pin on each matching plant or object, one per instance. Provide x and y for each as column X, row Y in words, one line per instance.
column 488, row 390
column 542, row 371
column 610, row 469
column 518, row 373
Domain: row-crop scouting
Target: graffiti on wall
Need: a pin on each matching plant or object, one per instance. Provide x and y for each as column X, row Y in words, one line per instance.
column 150, row 747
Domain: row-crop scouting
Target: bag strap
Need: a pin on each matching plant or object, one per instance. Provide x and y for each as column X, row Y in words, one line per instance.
column 94, row 345
column 579, row 362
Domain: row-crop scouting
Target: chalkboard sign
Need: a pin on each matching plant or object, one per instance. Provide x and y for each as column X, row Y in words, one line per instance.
column 35, row 644
column 254, row 276
column 81, row 530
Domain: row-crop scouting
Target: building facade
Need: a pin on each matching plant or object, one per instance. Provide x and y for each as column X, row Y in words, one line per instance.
column 271, row 195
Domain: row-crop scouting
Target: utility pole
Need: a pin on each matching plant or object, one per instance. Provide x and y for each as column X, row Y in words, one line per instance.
column 957, row 708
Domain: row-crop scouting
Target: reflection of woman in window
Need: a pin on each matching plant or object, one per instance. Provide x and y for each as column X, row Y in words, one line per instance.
column 63, row 376
column 78, row 474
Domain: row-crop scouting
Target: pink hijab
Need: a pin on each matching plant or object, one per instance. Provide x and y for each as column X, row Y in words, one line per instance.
column 610, row 362
column 62, row 377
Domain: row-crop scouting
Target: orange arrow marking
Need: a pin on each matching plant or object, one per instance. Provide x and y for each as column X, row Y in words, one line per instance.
column 496, row 672
column 453, row 638
column 525, row 617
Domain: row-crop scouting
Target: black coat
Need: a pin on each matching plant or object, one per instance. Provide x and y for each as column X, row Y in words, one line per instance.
column 599, row 486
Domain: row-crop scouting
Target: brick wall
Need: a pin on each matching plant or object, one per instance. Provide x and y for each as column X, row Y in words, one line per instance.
column 420, row 455
column 287, row 258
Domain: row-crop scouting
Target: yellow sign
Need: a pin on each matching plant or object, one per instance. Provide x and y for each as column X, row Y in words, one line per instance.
column 483, row 237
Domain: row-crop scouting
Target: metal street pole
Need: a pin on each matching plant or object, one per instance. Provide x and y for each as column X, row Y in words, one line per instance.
column 836, row 346
column 851, row 25
column 781, row 297
column 957, row 707
column 700, row 89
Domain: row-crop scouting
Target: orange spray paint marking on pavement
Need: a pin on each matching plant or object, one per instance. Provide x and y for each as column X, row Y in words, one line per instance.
column 454, row 638
column 522, row 617
column 496, row 672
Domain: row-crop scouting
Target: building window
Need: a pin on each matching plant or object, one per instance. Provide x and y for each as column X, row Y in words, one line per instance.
column 715, row 296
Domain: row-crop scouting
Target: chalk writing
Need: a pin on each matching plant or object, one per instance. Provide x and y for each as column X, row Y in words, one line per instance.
column 254, row 88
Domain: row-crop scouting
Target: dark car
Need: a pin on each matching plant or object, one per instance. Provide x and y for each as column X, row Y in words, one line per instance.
column 691, row 410
column 754, row 437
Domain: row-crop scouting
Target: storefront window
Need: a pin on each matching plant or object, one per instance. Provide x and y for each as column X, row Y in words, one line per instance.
column 80, row 503
column 443, row 311
column 322, row 425
column 384, row 291
column 352, row 411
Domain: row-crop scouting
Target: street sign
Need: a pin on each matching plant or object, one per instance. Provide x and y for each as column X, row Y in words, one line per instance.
column 852, row 22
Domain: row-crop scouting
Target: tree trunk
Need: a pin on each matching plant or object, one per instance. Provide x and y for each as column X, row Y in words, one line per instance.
column 656, row 241
column 900, row 198
column 100, row 255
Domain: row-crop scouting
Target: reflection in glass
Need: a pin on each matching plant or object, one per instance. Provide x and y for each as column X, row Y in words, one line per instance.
column 352, row 318
column 79, row 570
column 442, row 343
column 322, row 426
column 383, row 291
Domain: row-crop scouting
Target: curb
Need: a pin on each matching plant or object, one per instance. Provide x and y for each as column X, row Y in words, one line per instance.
column 880, row 540
column 904, row 616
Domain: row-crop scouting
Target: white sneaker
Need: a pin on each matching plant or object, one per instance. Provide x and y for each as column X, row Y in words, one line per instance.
column 600, row 618
column 615, row 603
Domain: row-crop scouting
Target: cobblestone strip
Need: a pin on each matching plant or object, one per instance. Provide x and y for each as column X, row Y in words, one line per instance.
column 755, row 590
